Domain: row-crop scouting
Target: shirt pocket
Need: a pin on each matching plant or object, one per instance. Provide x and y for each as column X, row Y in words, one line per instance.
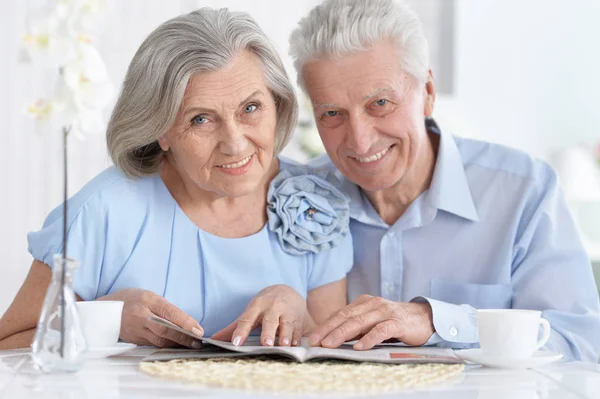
column 480, row 296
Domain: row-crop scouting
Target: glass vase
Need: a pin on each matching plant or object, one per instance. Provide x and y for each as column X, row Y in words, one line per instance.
column 59, row 344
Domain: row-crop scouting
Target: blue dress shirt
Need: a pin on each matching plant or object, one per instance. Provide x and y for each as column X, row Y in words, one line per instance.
column 132, row 233
column 492, row 231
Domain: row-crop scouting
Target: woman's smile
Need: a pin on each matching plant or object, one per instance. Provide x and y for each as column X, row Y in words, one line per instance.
column 237, row 168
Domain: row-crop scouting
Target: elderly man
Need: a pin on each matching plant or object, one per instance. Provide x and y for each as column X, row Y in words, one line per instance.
column 442, row 225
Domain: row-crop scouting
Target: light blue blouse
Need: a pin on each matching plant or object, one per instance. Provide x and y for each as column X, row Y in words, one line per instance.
column 132, row 233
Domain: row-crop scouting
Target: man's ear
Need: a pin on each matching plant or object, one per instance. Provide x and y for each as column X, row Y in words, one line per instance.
column 163, row 142
column 429, row 95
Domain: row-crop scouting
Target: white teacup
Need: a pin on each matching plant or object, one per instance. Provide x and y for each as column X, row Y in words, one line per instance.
column 511, row 333
column 101, row 322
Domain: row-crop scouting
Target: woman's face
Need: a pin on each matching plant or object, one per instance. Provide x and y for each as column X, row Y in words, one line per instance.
column 223, row 137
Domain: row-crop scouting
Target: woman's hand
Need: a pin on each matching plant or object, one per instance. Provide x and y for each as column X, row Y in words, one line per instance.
column 136, row 328
column 280, row 310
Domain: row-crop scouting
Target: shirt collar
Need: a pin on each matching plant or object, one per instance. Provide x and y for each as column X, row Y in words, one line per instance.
column 449, row 189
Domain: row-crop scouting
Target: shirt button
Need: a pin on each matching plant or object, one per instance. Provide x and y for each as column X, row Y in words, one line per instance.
column 453, row 331
column 391, row 234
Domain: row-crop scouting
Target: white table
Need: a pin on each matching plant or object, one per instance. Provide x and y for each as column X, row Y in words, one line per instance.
column 118, row 377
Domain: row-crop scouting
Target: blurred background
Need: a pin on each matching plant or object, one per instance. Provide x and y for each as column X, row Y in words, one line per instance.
column 520, row 73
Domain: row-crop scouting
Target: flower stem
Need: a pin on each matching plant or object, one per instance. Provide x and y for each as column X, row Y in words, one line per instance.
column 65, row 131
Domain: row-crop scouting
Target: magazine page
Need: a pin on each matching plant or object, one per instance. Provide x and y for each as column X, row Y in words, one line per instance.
column 386, row 354
column 380, row 354
column 213, row 348
column 217, row 348
column 252, row 346
column 208, row 351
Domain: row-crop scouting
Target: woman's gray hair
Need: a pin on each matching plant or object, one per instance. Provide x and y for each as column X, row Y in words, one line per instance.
column 340, row 27
column 203, row 40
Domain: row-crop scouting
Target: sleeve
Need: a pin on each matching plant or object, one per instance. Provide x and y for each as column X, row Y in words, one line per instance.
column 331, row 265
column 454, row 324
column 86, row 239
column 550, row 272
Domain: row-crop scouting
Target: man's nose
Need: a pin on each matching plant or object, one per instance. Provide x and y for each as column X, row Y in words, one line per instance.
column 234, row 140
column 359, row 137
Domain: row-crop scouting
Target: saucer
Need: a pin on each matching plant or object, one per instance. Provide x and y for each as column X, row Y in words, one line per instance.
column 537, row 359
column 107, row 351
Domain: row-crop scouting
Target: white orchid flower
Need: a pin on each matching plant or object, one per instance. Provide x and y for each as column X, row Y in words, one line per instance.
column 83, row 90
column 59, row 36
column 64, row 110
column 88, row 123
column 86, row 76
column 41, row 110
column 87, row 15
column 46, row 41
column 53, row 31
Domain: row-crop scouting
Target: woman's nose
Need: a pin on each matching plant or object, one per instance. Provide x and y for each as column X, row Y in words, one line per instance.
column 234, row 141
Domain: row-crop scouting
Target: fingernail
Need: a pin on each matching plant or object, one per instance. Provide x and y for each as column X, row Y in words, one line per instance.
column 285, row 341
column 359, row 345
column 198, row 332
column 196, row 345
column 269, row 342
column 237, row 340
column 327, row 341
column 295, row 342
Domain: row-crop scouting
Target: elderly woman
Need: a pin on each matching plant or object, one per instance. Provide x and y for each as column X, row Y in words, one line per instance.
column 198, row 216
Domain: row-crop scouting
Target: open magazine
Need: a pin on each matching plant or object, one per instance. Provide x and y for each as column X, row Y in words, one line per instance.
column 385, row 353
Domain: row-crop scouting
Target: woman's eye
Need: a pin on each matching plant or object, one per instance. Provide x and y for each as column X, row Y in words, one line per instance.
column 199, row 120
column 250, row 108
column 381, row 102
column 331, row 113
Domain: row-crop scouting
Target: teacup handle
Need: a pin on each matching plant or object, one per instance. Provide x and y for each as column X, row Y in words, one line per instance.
column 545, row 333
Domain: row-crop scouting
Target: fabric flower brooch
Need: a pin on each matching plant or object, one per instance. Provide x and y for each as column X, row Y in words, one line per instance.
column 306, row 210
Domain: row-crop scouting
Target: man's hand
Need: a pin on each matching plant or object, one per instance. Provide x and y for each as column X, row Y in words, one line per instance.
column 280, row 310
column 376, row 320
column 136, row 328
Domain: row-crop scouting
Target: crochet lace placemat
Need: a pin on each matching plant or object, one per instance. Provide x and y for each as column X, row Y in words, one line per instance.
column 260, row 374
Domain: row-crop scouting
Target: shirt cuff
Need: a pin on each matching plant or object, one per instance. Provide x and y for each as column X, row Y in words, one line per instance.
column 452, row 323
column 433, row 340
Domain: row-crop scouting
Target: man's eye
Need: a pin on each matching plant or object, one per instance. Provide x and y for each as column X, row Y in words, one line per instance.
column 331, row 113
column 199, row 120
column 381, row 102
column 250, row 108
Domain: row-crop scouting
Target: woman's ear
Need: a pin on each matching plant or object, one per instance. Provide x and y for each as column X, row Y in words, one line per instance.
column 429, row 95
column 163, row 142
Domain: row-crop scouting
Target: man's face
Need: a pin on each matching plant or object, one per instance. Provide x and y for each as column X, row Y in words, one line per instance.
column 370, row 115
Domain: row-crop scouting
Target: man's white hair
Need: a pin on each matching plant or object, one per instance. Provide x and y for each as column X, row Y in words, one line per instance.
column 339, row 27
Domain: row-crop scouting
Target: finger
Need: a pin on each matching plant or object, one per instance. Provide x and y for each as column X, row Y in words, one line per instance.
column 245, row 324
column 270, row 325
column 363, row 304
column 162, row 308
column 297, row 337
column 286, row 330
column 158, row 341
column 226, row 334
column 173, row 336
column 379, row 333
column 357, row 325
